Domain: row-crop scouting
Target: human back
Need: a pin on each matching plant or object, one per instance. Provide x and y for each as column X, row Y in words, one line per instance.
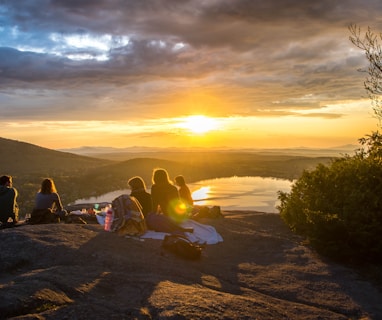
column 48, row 207
column 184, row 191
column 47, row 197
column 163, row 193
column 8, row 201
column 138, row 191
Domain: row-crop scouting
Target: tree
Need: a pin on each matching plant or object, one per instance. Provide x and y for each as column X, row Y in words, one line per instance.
column 338, row 207
column 370, row 44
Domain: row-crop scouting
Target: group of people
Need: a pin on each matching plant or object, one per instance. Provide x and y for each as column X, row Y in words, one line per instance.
column 47, row 198
column 164, row 194
column 165, row 207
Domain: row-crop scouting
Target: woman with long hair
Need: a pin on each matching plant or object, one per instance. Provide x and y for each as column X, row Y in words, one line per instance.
column 168, row 211
column 163, row 193
column 138, row 191
column 48, row 199
column 184, row 191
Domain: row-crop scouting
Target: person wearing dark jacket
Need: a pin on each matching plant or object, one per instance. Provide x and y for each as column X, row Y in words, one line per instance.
column 167, row 212
column 138, row 191
column 8, row 202
column 184, row 191
column 164, row 194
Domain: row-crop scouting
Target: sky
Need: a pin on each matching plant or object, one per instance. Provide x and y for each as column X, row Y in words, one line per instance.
column 184, row 73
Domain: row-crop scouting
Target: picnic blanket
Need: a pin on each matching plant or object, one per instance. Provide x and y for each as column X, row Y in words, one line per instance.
column 203, row 234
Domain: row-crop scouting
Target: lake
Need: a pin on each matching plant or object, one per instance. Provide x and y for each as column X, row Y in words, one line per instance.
column 234, row 193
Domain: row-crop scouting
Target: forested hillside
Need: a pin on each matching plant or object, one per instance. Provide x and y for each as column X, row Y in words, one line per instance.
column 80, row 177
column 26, row 158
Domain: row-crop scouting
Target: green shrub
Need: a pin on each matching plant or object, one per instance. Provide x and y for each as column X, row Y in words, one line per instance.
column 338, row 207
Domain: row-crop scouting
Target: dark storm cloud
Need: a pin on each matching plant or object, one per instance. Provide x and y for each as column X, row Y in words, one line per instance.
column 279, row 46
column 255, row 26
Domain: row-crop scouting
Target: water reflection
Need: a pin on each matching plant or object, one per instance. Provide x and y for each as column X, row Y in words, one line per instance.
column 240, row 193
column 201, row 194
column 234, row 193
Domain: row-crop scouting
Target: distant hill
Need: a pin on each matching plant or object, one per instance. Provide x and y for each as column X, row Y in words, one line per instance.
column 121, row 154
column 24, row 158
column 78, row 176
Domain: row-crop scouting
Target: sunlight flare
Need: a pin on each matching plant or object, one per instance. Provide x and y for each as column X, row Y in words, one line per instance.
column 200, row 195
column 198, row 124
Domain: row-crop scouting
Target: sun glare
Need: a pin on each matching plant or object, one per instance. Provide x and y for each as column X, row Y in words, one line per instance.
column 201, row 194
column 199, row 124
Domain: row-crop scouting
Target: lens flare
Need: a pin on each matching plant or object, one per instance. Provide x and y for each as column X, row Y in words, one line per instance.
column 179, row 211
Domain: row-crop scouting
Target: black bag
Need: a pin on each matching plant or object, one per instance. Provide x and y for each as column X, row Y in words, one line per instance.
column 182, row 247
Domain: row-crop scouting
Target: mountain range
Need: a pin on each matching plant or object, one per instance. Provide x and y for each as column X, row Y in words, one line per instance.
column 130, row 152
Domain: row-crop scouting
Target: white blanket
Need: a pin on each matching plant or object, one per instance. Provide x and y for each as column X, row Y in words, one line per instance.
column 203, row 234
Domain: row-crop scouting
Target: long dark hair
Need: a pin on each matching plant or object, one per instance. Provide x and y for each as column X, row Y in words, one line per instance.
column 136, row 183
column 180, row 181
column 5, row 179
column 160, row 176
column 47, row 186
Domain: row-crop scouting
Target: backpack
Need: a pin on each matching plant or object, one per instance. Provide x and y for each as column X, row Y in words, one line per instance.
column 128, row 217
column 182, row 247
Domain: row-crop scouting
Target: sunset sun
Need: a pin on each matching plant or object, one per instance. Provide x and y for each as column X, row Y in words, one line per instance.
column 199, row 124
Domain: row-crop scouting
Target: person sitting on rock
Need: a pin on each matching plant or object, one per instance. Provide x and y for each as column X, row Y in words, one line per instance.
column 163, row 193
column 48, row 207
column 167, row 207
column 184, row 191
column 8, row 202
column 138, row 191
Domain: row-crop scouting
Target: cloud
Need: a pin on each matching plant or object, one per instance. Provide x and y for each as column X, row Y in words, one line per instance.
column 141, row 56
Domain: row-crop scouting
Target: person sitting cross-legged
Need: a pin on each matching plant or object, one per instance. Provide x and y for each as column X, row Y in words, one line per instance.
column 48, row 207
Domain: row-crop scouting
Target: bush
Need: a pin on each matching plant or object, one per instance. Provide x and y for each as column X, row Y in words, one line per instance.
column 338, row 207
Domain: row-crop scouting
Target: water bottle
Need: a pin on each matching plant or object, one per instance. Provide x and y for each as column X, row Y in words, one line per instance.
column 108, row 219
